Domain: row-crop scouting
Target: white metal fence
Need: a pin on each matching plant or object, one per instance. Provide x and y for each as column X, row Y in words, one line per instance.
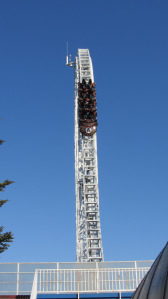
column 87, row 280
column 18, row 278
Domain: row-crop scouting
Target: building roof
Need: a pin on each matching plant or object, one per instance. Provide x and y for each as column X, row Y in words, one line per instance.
column 155, row 283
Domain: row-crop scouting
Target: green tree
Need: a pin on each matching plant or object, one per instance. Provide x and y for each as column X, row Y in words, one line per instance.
column 5, row 237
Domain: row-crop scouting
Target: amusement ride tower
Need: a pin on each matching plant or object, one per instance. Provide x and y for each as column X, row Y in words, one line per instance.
column 88, row 232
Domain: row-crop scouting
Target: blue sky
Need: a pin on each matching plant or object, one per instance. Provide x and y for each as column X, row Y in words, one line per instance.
column 129, row 47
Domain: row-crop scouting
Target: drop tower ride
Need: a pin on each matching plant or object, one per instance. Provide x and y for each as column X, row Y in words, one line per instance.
column 88, row 231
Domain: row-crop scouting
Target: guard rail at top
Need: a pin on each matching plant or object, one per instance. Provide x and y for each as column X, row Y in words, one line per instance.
column 87, row 280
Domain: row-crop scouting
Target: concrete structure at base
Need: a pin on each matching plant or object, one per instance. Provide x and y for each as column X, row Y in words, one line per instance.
column 87, row 280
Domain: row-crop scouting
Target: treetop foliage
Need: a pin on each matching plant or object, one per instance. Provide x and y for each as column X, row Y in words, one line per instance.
column 1, row 141
column 2, row 201
column 4, row 184
column 5, row 237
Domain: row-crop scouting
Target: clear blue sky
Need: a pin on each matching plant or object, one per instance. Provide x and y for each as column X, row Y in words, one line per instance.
column 128, row 42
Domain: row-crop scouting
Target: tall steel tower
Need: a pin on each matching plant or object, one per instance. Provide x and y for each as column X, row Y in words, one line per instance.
column 88, row 232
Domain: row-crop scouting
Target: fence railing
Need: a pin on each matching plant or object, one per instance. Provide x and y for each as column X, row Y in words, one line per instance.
column 87, row 280
column 17, row 278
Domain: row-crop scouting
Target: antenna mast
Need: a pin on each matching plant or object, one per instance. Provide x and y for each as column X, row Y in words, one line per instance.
column 68, row 59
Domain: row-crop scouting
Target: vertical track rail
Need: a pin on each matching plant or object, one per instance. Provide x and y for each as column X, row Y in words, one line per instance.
column 88, row 232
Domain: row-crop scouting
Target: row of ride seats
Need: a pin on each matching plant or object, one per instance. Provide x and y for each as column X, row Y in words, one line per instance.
column 86, row 86
column 87, row 101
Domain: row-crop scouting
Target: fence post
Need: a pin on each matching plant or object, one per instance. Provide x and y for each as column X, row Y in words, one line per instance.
column 136, row 274
column 98, row 279
column 78, row 282
column 57, row 278
column 34, row 287
column 17, row 286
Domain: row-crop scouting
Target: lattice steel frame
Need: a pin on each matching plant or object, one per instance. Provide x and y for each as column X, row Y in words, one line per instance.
column 88, row 232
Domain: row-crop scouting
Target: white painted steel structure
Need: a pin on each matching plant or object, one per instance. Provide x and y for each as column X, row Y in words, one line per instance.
column 88, row 232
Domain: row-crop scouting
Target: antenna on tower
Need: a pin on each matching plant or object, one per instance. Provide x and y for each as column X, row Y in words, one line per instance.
column 67, row 55
column 68, row 59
